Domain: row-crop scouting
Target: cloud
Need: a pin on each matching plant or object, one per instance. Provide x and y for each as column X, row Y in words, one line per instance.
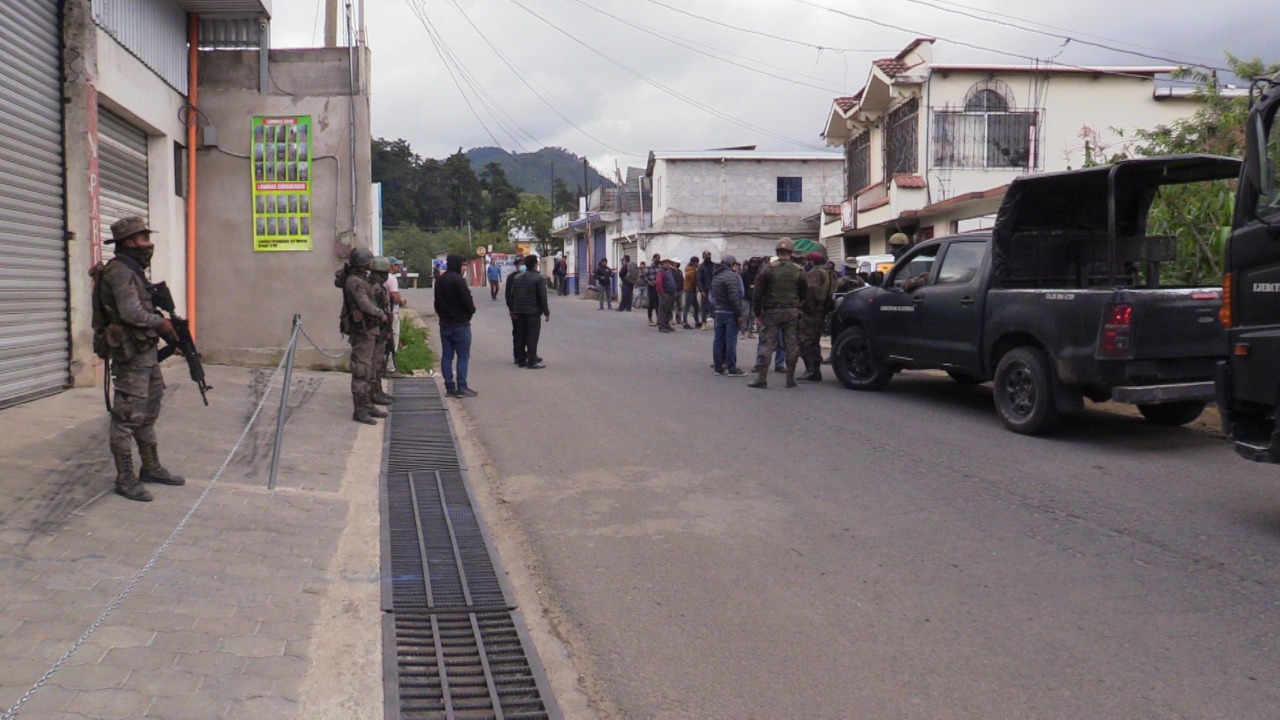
column 415, row 98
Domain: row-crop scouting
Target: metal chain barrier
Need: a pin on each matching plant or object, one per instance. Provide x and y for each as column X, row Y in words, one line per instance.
column 12, row 712
column 317, row 347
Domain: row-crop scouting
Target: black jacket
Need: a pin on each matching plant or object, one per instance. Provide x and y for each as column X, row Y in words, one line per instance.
column 454, row 305
column 527, row 294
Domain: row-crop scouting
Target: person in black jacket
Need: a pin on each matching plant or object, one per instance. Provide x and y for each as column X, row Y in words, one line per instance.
column 454, row 307
column 527, row 303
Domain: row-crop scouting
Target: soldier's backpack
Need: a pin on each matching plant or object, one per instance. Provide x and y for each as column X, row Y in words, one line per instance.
column 633, row 273
column 340, row 282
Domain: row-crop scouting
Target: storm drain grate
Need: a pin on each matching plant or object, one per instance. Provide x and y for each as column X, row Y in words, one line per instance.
column 454, row 644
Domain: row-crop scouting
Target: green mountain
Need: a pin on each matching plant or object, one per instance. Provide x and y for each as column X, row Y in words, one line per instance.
column 532, row 172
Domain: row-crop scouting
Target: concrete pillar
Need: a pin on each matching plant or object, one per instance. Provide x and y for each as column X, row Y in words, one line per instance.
column 80, row 146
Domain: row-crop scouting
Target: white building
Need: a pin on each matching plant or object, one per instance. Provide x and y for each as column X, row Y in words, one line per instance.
column 930, row 147
column 738, row 201
column 613, row 218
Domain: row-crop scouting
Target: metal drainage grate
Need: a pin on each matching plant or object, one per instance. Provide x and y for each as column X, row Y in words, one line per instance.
column 454, row 643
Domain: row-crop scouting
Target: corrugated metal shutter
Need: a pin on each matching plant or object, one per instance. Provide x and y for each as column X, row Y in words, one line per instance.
column 122, row 172
column 34, row 357
column 628, row 248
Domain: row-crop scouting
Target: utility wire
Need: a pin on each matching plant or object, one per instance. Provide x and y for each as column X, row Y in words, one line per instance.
column 700, row 51
column 532, row 89
column 1029, row 58
column 670, row 91
column 761, row 33
column 491, row 106
column 1068, row 38
column 1051, row 26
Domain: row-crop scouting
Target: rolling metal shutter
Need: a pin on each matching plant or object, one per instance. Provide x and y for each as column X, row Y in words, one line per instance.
column 34, row 337
column 122, row 171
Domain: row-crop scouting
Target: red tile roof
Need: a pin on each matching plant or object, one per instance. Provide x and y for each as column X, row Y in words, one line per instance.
column 892, row 67
column 879, row 203
column 909, row 181
column 957, row 200
column 831, row 209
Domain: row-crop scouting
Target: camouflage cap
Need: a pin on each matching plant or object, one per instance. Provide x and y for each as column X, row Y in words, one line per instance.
column 125, row 228
column 785, row 245
column 380, row 264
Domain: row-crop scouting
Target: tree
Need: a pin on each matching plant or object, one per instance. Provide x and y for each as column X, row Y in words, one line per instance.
column 562, row 200
column 414, row 246
column 464, row 191
column 499, row 195
column 397, row 167
column 1198, row 216
column 533, row 214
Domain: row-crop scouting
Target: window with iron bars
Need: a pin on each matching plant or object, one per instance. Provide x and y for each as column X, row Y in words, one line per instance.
column 901, row 130
column 981, row 139
column 857, row 159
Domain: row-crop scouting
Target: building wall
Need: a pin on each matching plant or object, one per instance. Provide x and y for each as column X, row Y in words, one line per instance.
column 100, row 71
column 246, row 300
column 741, row 196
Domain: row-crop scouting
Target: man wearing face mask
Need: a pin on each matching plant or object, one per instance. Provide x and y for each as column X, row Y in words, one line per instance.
column 128, row 334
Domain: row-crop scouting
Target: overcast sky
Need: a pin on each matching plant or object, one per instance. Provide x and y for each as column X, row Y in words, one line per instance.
column 629, row 91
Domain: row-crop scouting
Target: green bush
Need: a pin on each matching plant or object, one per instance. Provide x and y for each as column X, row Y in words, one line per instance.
column 414, row 352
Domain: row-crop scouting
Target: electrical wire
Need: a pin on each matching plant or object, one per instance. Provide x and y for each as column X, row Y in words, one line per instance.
column 700, row 51
column 1029, row 58
column 670, row 91
column 534, row 90
column 761, row 33
column 1067, row 38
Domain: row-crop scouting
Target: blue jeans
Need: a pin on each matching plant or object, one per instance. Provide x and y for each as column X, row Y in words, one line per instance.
column 724, row 350
column 455, row 340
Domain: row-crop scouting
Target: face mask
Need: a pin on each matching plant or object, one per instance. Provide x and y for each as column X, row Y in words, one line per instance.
column 140, row 255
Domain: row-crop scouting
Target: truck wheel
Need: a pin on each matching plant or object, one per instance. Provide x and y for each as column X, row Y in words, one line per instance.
column 1024, row 392
column 855, row 364
column 963, row 378
column 1172, row 414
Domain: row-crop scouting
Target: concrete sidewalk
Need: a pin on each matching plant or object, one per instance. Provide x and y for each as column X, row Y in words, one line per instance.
column 266, row 605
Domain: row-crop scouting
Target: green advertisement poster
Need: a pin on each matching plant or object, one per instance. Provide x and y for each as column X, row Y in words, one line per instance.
column 281, row 183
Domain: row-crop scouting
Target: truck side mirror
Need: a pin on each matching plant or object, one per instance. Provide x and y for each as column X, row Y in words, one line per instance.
column 876, row 278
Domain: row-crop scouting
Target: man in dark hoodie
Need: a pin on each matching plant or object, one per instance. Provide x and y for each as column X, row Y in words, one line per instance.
column 527, row 303
column 726, row 295
column 454, row 307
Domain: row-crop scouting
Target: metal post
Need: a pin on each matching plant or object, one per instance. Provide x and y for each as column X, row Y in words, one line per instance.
column 284, row 401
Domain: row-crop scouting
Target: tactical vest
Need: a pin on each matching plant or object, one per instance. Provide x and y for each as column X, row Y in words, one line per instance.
column 112, row 337
column 784, row 285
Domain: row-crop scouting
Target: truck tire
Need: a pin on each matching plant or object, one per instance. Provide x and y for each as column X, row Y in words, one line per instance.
column 1172, row 414
column 1024, row 392
column 963, row 378
column 855, row 364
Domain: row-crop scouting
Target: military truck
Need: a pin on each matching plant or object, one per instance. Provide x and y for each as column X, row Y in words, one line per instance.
column 1061, row 301
column 1248, row 382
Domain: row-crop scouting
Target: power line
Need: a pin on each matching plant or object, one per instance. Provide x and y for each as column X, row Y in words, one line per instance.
column 1068, row 38
column 670, row 91
column 918, row 33
column 527, row 84
column 675, row 41
column 761, row 33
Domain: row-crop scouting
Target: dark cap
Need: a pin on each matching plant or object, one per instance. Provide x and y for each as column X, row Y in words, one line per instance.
column 125, row 228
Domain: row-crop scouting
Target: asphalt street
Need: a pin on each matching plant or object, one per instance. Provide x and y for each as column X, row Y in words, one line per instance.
column 734, row 553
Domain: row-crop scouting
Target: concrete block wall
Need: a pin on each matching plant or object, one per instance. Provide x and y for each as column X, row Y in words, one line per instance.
column 741, row 195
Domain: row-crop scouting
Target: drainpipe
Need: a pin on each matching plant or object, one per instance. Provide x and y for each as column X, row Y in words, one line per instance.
column 193, row 77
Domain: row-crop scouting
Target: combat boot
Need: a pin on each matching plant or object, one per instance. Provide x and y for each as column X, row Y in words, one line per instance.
column 379, row 397
column 373, row 410
column 791, row 376
column 126, row 482
column 361, row 413
column 153, row 471
column 814, row 375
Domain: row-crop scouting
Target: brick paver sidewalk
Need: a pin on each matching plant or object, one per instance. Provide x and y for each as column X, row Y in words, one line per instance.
column 265, row 606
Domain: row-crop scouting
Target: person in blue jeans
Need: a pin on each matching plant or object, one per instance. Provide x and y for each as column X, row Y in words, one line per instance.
column 454, row 307
column 495, row 277
column 726, row 296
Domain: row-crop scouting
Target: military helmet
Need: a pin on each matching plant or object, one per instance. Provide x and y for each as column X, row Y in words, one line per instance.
column 785, row 245
column 380, row 264
column 360, row 257
column 899, row 239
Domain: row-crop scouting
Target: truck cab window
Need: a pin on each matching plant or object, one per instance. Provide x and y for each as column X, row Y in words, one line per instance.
column 960, row 264
column 913, row 271
column 1269, row 199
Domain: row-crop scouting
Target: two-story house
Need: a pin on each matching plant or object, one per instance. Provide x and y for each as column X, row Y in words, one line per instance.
column 930, row 147
column 740, row 201
column 612, row 218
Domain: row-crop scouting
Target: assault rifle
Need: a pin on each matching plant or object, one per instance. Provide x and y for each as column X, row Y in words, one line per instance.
column 185, row 345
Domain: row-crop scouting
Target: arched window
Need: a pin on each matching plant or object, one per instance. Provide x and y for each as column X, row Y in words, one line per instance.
column 986, row 101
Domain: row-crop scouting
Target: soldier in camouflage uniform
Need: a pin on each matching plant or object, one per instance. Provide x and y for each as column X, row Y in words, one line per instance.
column 813, row 315
column 379, row 270
column 361, row 320
column 127, row 331
column 779, row 290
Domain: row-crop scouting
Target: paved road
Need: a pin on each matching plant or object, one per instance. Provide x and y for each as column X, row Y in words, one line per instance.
column 819, row 553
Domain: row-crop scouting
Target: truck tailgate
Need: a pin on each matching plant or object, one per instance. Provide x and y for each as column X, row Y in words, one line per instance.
column 1176, row 323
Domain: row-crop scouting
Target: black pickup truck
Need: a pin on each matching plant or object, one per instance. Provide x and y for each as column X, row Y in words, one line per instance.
column 1060, row 301
column 1249, row 382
